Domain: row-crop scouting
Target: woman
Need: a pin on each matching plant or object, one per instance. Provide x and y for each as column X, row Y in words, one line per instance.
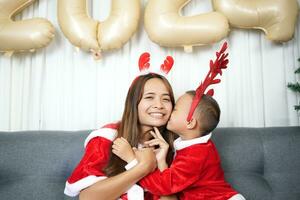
column 101, row 174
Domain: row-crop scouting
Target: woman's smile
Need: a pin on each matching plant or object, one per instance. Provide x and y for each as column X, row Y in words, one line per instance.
column 157, row 115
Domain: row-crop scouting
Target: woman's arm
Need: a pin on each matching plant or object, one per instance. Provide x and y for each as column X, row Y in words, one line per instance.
column 173, row 197
column 114, row 187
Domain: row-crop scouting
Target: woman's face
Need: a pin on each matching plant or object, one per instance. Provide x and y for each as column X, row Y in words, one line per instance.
column 155, row 107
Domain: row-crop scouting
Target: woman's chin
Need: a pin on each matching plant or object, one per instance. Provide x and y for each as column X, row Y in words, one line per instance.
column 158, row 124
column 148, row 126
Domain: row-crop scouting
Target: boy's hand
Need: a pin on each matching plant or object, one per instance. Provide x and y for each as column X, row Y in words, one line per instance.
column 161, row 152
column 123, row 150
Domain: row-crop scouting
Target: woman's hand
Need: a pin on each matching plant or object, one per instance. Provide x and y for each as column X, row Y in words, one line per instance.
column 123, row 150
column 146, row 159
column 162, row 151
column 172, row 197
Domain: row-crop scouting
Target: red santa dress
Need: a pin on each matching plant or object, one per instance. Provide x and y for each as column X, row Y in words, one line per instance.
column 90, row 168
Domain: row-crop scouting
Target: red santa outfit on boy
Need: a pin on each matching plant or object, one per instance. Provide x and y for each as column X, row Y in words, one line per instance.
column 90, row 169
column 195, row 173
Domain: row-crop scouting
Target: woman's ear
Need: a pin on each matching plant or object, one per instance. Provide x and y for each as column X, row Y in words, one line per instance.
column 191, row 124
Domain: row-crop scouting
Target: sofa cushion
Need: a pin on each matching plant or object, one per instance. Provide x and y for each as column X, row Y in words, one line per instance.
column 35, row 164
column 261, row 163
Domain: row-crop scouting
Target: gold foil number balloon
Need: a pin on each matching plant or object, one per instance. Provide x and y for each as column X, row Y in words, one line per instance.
column 24, row 35
column 91, row 35
column 166, row 27
column 277, row 18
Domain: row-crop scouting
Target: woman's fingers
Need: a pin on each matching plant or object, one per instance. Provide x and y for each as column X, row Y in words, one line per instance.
column 115, row 147
column 124, row 140
column 120, row 141
column 156, row 151
column 116, row 141
column 115, row 151
column 158, row 140
column 154, row 142
column 149, row 141
column 153, row 134
column 158, row 134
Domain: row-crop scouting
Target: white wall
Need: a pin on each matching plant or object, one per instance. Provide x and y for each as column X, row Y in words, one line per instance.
column 59, row 88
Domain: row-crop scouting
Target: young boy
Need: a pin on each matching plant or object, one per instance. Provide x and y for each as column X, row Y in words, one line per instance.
column 196, row 171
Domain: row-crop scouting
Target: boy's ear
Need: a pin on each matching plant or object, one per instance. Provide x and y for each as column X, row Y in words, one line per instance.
column 191, row 124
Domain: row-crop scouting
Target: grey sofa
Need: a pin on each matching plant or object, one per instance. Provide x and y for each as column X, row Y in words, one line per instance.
column 261, row 163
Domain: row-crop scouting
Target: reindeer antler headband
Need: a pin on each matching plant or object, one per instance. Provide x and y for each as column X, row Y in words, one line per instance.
column 144, row 65
column 215, row 69
column 164, row 68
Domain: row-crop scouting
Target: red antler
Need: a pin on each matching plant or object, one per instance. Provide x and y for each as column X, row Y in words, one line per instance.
column 144, row 61
column 167, row 65
column 215, row 69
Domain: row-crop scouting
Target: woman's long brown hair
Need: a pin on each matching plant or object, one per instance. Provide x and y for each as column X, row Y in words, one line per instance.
column 130, row 128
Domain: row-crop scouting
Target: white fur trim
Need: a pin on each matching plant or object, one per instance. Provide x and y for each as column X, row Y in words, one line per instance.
column 135, row 193
column 107, row 133
column 73, row 189
column 237, row 197
column 181, row 144
column 131, row 164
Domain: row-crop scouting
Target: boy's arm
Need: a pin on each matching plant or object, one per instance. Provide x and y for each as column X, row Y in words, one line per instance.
column 123, row 150
column 183, row 172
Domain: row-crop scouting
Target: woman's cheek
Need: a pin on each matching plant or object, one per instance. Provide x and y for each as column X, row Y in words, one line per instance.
column 170, row 109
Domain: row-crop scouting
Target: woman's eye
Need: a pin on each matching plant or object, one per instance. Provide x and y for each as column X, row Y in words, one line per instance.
column 166, row 100
column 149, row 97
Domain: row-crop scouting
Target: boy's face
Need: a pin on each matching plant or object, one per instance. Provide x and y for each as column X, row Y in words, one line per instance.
column 177, row 122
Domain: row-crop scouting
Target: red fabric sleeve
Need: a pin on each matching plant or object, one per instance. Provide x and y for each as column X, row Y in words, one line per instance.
column 95, row 158
column 184, row 171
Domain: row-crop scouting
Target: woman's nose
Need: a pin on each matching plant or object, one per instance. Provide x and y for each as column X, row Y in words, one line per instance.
column 158, row 104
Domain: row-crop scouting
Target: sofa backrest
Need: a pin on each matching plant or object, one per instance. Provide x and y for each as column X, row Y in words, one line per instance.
column 261, row 163
column 34, row 165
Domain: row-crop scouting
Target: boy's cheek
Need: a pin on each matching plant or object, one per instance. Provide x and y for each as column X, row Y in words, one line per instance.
column 168, row 124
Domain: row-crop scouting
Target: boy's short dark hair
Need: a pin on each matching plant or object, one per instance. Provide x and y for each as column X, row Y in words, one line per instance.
column 207, row 113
